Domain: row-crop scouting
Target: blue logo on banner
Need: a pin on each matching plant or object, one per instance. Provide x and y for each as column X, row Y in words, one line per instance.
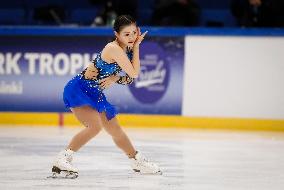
column 153, row 79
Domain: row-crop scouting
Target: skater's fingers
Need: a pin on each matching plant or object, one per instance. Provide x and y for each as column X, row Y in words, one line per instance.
column 143, row 35
column 102, row 87
column 106, row 82
column 103, row 80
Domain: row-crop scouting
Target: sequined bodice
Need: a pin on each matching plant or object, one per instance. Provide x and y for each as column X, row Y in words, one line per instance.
column 105, row 69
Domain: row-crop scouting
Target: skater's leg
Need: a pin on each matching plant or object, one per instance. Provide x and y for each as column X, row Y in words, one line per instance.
column 118, row 135
column 90, row 118
column 138, row 162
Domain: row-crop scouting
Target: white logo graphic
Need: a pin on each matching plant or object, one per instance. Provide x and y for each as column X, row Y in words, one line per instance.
column 150, row 77
column 14, row 87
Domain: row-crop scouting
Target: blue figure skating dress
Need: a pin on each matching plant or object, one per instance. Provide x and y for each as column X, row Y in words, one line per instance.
column 83, row 91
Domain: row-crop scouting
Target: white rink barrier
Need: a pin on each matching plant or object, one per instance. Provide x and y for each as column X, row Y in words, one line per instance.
column 235, row 77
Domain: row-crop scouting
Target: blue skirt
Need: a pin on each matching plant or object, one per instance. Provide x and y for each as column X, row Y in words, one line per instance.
column 82, row 92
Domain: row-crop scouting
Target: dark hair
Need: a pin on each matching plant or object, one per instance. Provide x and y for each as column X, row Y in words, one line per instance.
column 122, row 21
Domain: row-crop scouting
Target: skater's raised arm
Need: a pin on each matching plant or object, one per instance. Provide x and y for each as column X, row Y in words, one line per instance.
column 120, row 57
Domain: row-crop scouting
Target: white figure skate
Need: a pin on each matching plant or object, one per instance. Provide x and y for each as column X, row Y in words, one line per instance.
column 141, row 164
column 63, row 165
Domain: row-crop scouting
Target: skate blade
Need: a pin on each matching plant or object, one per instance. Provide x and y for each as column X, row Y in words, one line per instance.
column 159, row 173
column 147, row 173
column 62, row 174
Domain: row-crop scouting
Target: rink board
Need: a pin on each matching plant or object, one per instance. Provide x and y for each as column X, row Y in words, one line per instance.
column 134, row 120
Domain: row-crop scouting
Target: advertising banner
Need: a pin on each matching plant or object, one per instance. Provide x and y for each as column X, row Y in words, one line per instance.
column 35, row 69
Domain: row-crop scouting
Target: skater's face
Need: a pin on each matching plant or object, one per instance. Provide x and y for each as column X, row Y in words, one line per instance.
column 127, row 35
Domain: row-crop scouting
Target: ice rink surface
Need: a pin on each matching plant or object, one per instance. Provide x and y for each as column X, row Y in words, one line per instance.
column 190, row 159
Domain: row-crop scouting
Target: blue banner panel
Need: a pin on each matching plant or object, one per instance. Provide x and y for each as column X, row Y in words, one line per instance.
column 34, row 70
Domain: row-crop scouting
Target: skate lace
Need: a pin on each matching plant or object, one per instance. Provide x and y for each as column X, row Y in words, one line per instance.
column 143, row 161
column 69, row 158
column 143, row 158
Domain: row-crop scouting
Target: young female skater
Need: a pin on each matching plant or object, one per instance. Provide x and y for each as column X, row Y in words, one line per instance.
column 84, row 95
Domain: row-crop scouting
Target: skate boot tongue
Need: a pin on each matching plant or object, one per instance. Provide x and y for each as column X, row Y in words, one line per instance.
column 141, row 157
column 68, row 153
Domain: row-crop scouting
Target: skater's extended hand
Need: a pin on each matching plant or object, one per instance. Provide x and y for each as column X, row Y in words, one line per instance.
column 107, row 82
column 139, row 38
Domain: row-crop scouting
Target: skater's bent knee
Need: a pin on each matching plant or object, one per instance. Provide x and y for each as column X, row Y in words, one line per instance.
column 94, row 129
column 115, row 132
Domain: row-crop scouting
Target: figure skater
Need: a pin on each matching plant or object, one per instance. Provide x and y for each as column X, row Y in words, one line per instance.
column 84, row 95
